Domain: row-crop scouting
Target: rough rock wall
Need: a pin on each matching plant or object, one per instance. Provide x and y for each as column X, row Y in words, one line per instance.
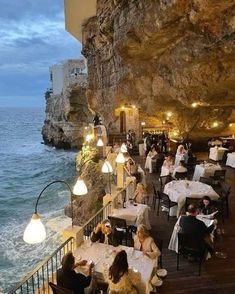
column 163, row 55
column 66, row 117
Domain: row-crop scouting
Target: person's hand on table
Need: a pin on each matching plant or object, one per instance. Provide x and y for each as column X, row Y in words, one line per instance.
column 80, row 263
column 146, row 254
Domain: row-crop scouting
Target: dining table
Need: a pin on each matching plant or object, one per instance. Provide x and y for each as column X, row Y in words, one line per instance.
column 231, row 159
column 205, row 169
column 179, row 190
column 217, row 153
column 102, row 255
column 134, row 214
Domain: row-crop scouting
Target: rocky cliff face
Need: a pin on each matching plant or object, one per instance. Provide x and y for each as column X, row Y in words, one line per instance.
column 164, row 55
column 66, row 117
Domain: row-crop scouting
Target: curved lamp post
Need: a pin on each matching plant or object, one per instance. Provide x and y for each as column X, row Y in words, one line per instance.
column 35, row 231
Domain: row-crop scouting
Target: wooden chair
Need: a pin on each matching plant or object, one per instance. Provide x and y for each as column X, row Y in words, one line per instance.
column 60, row 290
column 189, row 245
column 219, row 176
column 181, row 176
column 120, row 227
column 163, row 181
column 165, row 202
column 208, row 181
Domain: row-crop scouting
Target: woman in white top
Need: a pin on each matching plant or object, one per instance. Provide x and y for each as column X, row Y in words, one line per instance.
column 148, row 163
column 167, row 166
column 180, row 153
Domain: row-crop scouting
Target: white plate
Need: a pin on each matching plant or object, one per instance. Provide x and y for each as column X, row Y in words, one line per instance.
column 162, row 272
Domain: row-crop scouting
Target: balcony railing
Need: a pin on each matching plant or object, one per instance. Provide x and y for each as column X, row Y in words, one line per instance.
column 37, row 281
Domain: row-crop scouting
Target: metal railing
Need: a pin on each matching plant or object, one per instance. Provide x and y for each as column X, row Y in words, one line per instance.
column 37, row 281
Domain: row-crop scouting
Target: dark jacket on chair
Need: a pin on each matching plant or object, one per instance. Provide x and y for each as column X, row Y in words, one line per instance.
column 72, row 280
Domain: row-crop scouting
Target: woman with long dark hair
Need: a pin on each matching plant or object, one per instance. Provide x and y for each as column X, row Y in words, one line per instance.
column 120, row 278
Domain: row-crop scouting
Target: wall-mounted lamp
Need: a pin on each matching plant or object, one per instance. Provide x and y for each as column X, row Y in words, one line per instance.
column 107, row 169
column 35, row 231
column 123, row 148
column 100, row 143
column 120, row 158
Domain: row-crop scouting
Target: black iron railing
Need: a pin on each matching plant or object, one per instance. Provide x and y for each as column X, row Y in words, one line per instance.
column 37, row 281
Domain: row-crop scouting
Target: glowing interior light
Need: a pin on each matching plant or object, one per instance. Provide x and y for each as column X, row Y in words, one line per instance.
column 120, row 158
column 80, row 188
column 106, row 167
column 35, row 231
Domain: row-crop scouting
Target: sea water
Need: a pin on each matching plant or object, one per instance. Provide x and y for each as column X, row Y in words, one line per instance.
column 26, row 167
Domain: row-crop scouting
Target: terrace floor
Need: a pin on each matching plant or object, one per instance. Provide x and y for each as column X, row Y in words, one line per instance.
column 217, row 275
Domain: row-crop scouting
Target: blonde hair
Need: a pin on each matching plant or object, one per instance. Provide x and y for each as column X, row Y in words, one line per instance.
column 143, row 229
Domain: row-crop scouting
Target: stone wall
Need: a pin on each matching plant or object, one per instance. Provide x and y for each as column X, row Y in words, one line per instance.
column 164, row 55
column 66, row 117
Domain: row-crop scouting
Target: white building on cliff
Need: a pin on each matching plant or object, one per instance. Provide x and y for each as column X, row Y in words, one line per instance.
column 66, row 73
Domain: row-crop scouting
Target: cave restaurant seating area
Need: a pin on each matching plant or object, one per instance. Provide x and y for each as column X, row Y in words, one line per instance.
column 162, row 204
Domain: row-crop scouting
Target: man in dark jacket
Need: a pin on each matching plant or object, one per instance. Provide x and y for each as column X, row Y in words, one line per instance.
column 67, row 278
column 191, row 225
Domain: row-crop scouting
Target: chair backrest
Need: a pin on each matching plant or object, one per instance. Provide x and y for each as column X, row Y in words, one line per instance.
column 190, row 243
column 164, row 180
column 208, row 181
column 192, row 160
column 154, row 190
column 220, row 174
column 225, row 189
column 181, row 176
column 163, row 197
column 117, row 222
column 60, row 290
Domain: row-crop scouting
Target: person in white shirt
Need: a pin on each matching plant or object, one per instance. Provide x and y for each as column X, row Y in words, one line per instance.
column 151, row 155
column 167, row 166
column 180, row 153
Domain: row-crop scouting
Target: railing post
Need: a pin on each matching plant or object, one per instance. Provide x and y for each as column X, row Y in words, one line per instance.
column 76, row 232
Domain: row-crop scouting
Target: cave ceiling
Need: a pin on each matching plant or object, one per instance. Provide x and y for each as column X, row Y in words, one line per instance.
column 164, row 55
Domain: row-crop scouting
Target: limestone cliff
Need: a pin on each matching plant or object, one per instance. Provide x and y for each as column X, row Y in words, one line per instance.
column 164, row 55
column 66, row 116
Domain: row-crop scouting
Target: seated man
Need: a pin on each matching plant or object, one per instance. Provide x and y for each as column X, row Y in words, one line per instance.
column 67, row 278
column 191, row 225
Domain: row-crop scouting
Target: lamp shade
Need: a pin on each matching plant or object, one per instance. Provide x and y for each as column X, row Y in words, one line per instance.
column 120, row 158
column 35, row 231
column 80, row 188
column 100, row 143
column 123, row 148
column 106, row 167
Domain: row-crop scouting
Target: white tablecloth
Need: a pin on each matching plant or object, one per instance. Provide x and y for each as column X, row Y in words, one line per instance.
column 134, row 215
column 205, row 170
column 216, row 153
column 179, row 190
column 173, row 245
column 231, row 159
column 103, row 255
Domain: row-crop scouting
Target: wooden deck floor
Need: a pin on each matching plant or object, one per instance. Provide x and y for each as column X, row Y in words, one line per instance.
column 218, row 275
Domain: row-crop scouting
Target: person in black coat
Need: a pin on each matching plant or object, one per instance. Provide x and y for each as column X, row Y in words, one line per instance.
column 67, row 278
column 189, row 224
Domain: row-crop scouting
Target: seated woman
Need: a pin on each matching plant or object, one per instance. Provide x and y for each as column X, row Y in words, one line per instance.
column 120, row 278
column 102, row 233
column 206, row 206
column 140, row 193
column 181, row 168
column 145, row 243
column 67, row 278
column 167, row 166
column 151, row 155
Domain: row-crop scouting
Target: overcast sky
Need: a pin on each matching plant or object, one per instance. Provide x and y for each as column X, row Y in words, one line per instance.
column 32, row 37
